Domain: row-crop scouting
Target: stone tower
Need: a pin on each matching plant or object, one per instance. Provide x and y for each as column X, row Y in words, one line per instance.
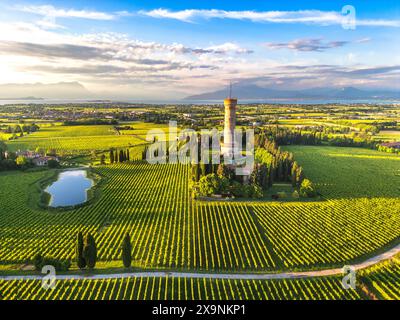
column 228, row 146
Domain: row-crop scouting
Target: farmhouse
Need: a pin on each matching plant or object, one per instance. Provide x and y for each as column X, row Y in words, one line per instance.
column 395, row 145
column 43, row 161
column 28, row 154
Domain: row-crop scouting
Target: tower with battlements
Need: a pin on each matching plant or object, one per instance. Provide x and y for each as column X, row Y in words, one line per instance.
column 229, row 147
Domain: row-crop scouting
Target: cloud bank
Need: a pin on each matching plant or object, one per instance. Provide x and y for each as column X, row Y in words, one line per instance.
column 306, row 45
column 302, row 16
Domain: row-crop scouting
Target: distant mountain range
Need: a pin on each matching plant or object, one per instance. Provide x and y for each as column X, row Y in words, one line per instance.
column 257, row 92
column 60, row 90
column 22, row 98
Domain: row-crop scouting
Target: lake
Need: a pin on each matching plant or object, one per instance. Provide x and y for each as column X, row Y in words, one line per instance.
column 70, row 188
column 205, row 102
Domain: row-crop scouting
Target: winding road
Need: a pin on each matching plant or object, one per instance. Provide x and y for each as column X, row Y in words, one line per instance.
column 239, row 276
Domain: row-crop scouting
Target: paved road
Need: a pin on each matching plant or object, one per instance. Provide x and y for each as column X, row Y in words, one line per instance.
column 257, row 276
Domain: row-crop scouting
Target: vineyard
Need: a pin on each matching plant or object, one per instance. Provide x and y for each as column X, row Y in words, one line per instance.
column 169, row 230
column 77, row 139
column 384, row 279
column 350, row 172
column 153, row 288
column 377, row 282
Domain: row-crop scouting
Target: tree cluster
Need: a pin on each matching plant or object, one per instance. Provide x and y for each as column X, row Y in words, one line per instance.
column 119, row 156
column 86, row 251
column 59, row 265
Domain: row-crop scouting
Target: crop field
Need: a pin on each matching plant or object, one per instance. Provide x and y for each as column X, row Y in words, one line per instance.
column 152, row 288
column 378, row 282
column 353, row 219
column 76, row 139
column 169, row 230
column 384, row 279
column 388, row 135
column 348, row 172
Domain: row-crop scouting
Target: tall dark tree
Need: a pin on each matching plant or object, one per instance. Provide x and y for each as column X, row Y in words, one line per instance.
column 80, row 260
column 90, row 251
column 294, row 174
column 195, row 172
column 128, row 157
column 102, row 159
column 116, row 156
column 121, row 156
column 299, row 176
column 203, row 169
column 111, row 156
column 127, row 251
column 225, row 171
column 144, row 152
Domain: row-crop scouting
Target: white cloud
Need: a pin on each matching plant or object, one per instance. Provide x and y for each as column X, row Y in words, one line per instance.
column 363, row 40
column 51, row 11
column 117, row 62
column 306, row 45
column 302, row 16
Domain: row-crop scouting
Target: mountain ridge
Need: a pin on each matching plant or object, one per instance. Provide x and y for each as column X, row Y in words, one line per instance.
column 253, row 91
column 58, row 90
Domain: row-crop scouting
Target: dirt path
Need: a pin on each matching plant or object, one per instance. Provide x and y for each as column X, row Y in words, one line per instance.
column 239, row 276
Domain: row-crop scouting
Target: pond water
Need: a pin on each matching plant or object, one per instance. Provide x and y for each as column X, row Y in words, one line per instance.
column 70, row 188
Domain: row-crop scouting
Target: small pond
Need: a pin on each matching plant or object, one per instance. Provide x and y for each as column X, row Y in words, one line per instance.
column 70, row 188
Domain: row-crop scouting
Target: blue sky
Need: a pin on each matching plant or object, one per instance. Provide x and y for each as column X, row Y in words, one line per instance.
column 169, row 49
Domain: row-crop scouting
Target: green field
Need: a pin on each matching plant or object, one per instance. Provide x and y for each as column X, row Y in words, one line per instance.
column 152, row 288
column 170, row 231
column 77, row 139
column 152, row 202
column 350, row 172
column 389, row 135
column 378, row 282
column 384, row 280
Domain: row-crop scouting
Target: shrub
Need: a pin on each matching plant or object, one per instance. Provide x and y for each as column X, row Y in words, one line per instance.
column 307, row 189
column 52, row 163
column 236, row 189
column 256, row 191
column 60, row 265
column 21, row 161
column 209, row 185
column 281, row 194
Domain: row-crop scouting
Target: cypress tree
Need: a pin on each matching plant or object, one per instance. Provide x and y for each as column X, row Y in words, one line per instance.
column 121, row 156
column 271, row 176
column 127, row 251
column 203, row 169
column 111, row 156
column 80, row 260
column 299, row 176
column 294, row 174
column 144, row 153
column 90, row 251
column 128, row 155
column 197, row 172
